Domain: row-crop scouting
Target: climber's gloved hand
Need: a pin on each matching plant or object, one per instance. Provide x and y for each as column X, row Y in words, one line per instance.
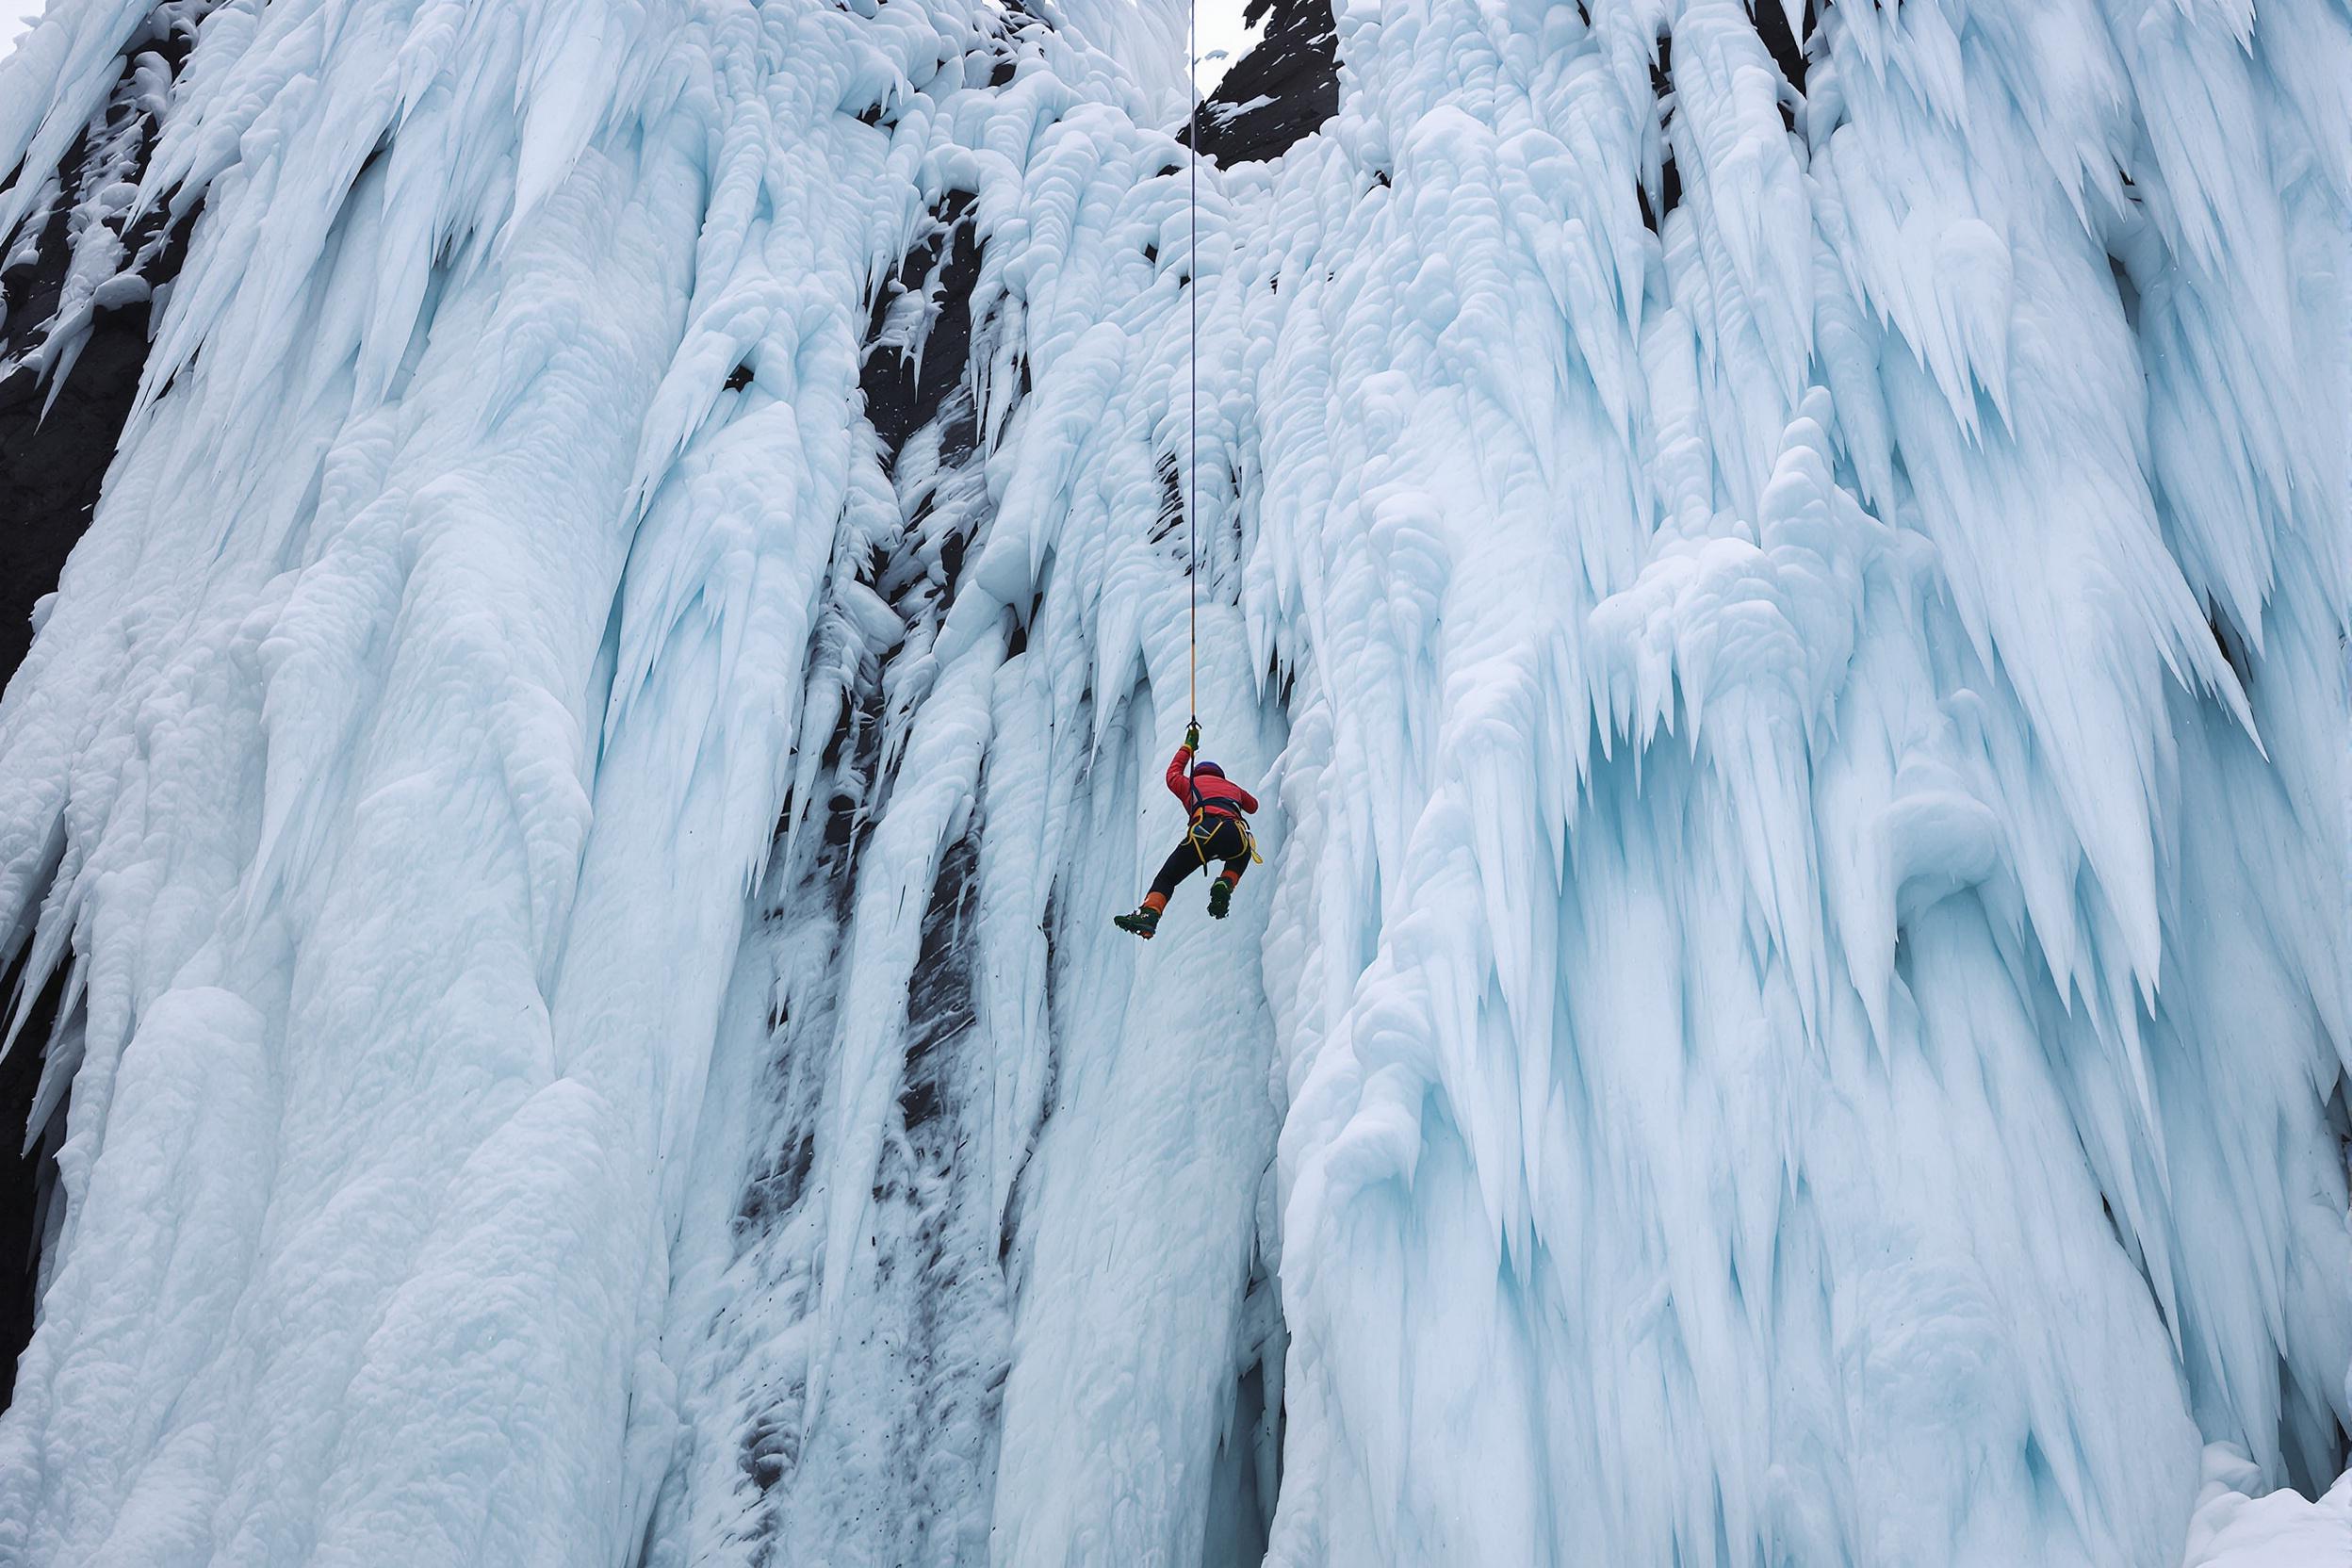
column 1192, row 736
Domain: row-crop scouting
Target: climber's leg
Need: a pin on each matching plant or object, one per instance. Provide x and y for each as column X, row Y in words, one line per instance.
column 1182, row 862
column 1179, row 865
column 1146, row 920
column 1233, row 849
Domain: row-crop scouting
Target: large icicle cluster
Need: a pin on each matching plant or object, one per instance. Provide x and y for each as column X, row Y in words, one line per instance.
column 1786, row 579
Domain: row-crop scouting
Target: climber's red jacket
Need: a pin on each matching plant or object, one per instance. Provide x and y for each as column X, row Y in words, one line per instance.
column 1220, row 797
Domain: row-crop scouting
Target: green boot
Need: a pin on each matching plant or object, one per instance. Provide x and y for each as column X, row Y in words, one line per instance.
column 1144, row 921
column 1220, row 899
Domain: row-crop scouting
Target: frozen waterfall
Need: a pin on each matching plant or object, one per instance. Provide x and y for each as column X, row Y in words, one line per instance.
column 1783, row 573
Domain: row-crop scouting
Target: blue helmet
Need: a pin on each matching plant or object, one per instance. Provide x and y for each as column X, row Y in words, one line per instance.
column 1209, row 768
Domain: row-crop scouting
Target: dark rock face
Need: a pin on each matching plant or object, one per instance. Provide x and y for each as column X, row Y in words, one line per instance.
column 28, row 1184
column 1787, row 47
column 67, row 385
column 55, row 441
column 919, row 342
column 65, row 388
column 1279, row 93
column 1661, row 191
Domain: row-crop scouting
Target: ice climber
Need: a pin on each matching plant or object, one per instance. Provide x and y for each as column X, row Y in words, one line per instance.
column 1219, row 831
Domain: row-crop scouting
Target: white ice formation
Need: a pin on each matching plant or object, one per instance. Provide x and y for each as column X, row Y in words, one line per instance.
column 1796, row 1013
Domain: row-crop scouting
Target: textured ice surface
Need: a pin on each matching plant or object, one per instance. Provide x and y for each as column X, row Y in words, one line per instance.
column 1793, row 637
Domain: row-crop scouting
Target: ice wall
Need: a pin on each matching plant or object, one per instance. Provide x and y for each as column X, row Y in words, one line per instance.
column 1784, row 575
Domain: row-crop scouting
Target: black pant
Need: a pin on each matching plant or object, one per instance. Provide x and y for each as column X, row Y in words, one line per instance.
column 1217, row 838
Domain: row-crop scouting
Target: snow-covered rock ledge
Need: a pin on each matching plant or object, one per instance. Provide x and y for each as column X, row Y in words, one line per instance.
column 2232, row 1528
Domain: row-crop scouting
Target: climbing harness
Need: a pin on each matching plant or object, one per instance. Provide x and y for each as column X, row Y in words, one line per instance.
column 1201, row 832
column 1202, row 817
column 1203, row 829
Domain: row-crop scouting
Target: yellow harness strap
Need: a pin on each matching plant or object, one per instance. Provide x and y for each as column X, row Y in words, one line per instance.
column 1201, row 841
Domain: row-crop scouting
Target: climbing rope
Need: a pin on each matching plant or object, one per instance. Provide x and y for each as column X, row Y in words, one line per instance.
column 1192, row 364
